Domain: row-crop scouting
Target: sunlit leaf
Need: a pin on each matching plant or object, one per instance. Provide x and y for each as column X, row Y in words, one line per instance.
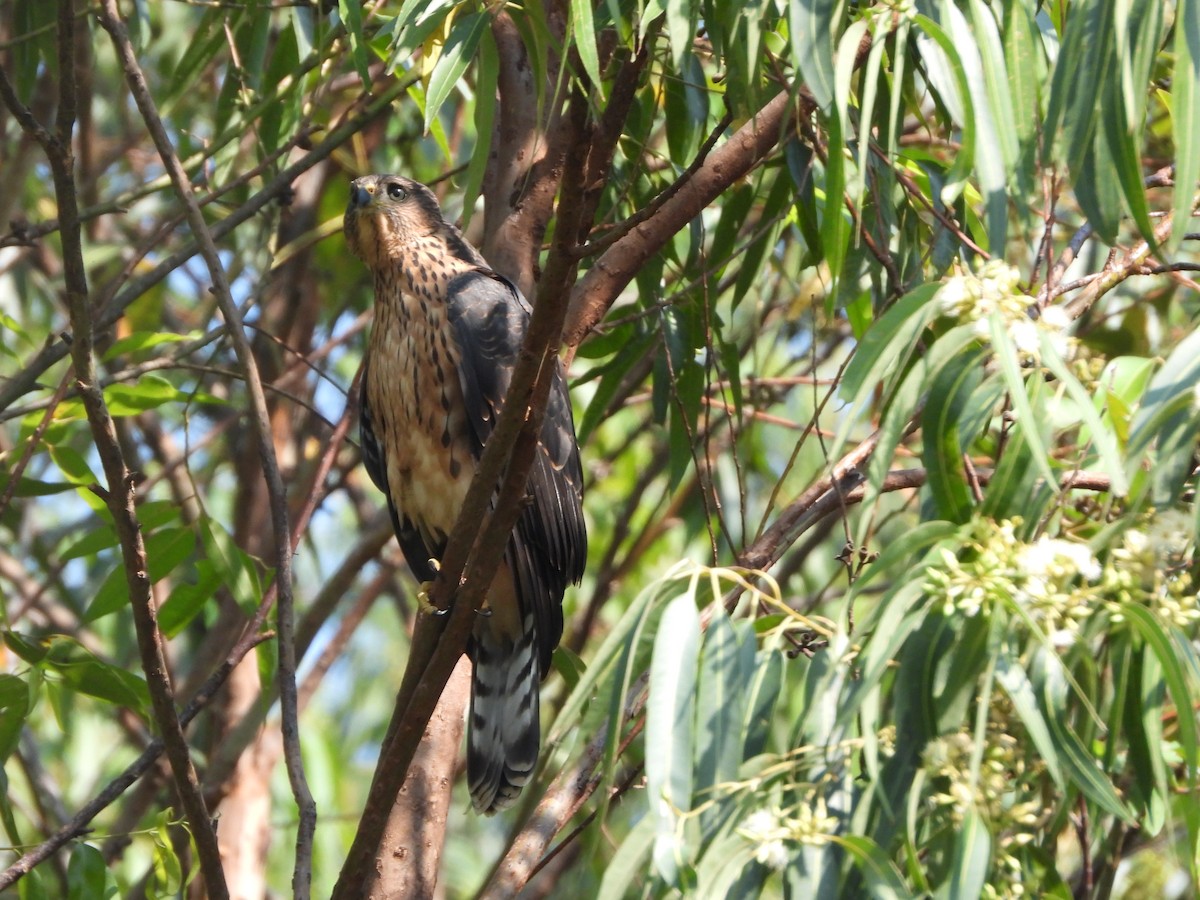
column 457, row 53
column 670, row 730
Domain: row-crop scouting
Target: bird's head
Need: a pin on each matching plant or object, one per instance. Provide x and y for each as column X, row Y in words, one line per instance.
column 387, row 216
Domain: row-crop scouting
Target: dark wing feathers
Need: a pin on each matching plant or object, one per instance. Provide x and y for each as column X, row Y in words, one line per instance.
column 548, row 549
column 409, row 538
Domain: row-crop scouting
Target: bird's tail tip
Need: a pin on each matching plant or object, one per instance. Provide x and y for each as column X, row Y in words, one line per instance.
column 504, row 731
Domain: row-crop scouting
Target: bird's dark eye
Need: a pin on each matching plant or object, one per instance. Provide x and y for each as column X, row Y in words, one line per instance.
column 395, row 191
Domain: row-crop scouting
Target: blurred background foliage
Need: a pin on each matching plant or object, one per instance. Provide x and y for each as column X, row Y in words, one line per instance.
column 890, row 449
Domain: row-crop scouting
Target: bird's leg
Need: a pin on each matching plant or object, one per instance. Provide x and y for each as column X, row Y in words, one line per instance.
column 426, row 605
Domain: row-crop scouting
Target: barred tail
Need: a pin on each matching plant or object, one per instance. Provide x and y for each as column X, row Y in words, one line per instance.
column 503, row 733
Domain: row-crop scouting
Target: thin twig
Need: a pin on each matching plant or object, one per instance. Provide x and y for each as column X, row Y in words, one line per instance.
column 26, row 380
column 1117, row 271
column 1052, row 288
column 110, row 19
column 14, row 477
column 119, row 493
column 600, row 244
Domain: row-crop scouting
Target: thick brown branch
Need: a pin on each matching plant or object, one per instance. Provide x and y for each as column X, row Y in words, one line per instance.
column 609, row 275
column 408, row 863
column 525, row 165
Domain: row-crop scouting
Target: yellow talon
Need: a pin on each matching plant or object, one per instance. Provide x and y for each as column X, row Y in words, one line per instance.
column 423, row 602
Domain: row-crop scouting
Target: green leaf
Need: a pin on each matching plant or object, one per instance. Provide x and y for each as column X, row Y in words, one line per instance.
column 187, row 600
column 234, row 566
column 86, row 874
column 1139, row 707
column 103, row 537
column 35, row 21
column 1022, row 59
column 145, row 340
column 148, row 392
column 835, row 224
column 972, row 858
column 15, row 705
column 883, row 880
column 1185, row 116
column 753, row 255
column 670, row 730
column 812, row 29
column 884, row 351
column 942, row 449
column 948, row 75
column 27, row 649
column 726, row 667
column 1168, row 419
column 629, row 863
column 350, row 12
column 681, row 30
column 1048, row 676
column 1153, row 633
column 1015, row 489
column 584, row 29
column 72, row 464
column 1170, row 393
column 1098, row 193
column 1011, row 676
column 616, row 645
column 996, row 151
column 458, row 52
column 30, row 887
column 569, row 664
column 1124, row 382
column 1103, row 437
column 165, row 550
column 166, row 871
column 88, row 674
column 764, row 690
column 1081, row 73
column 1029, row 422
column 30, row 487
column 612, row 379
column 1136, row 35
column 487, row 73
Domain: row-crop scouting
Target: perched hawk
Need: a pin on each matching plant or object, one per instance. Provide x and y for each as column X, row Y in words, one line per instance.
column 439, row 362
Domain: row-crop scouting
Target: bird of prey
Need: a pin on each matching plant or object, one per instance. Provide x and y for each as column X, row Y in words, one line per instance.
column 439, row 362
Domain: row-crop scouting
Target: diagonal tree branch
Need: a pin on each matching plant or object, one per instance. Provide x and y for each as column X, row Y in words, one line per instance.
column 616, row 267
column 481, row 533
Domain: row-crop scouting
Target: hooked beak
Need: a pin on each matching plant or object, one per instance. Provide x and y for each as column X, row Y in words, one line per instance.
column 360, row 194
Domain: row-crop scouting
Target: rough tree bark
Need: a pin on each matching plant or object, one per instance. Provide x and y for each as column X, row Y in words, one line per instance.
column 410, row 854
